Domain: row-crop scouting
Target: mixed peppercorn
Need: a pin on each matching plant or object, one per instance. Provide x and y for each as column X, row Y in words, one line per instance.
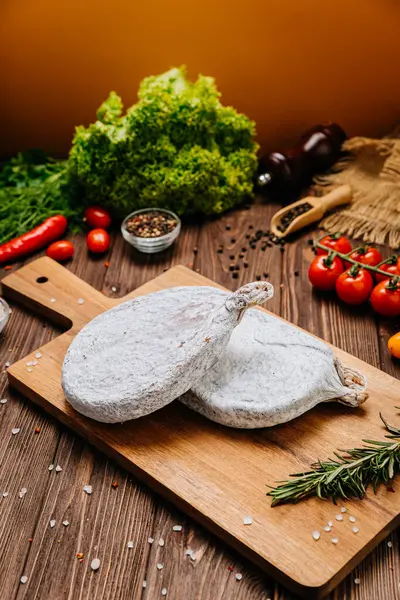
column 151, row 224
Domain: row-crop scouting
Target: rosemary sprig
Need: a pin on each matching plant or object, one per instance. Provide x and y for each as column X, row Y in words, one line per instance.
column 348, row 476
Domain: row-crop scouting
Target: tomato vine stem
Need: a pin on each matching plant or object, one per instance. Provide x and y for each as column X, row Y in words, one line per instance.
column 317, row 244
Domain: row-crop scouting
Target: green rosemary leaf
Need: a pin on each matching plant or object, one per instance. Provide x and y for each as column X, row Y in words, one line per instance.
column 349, row 476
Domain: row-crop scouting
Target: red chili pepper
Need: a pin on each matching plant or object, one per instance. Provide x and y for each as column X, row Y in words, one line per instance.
column 51, row 229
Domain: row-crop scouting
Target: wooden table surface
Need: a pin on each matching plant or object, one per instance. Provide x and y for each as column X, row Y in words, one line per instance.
column 103, row 524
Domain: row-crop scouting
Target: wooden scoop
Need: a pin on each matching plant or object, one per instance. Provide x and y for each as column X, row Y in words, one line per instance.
column 319, row 206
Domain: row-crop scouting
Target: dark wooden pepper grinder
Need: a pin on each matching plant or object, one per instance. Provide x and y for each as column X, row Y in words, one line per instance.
column 288, row 171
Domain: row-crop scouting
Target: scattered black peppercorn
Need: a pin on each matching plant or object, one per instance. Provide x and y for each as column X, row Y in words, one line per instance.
column 233, row 241
column 244, row 249
column 219, row 250
column 259, row 233
column 235, row 275
column 266, row 275
column 251, row 227
column 195, row 250
column 263, row 248
column 231, row 267
column 253, row 246
column 245, row 264
column 310, row 242
column 228, row 227
column 258, row 277
column 248, row 236
column 296, row 273
column 241, row 255
column 232, row 257
column 237, row 267
column 282, row 249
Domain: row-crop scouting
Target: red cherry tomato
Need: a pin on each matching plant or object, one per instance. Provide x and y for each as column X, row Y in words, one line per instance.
column 95, row 217
column 367, row 256
column 337, row 242
column 390, row 267
column 385, row 298
column 324, row 271
column 98, row 241
column 61, row 250
column 354, row 286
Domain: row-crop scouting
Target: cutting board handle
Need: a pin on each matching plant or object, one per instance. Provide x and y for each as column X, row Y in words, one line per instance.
column 51, row 290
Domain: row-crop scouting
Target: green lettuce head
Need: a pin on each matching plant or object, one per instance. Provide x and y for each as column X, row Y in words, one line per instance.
column 177, row 148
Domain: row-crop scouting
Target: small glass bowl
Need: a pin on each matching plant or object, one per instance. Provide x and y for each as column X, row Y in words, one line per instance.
column 4, row 314
column 155, row 244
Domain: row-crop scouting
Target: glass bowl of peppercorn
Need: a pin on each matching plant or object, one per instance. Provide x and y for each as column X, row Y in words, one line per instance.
column 151, row 230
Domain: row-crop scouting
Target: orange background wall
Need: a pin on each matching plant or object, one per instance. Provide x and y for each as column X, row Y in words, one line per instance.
column 286, row 63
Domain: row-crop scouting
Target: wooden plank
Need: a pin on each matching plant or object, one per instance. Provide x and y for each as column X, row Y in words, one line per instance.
column 201, row 484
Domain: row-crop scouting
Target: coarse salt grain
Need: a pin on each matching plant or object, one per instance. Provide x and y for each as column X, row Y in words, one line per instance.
column 58, row 468
column 95, row 564
column 24, row 579
column 52, row 523
column 330, row 523
column 3, row 401
column 51, row 467
column 113, row 289
column 164, row 592
column 193, row 555
column 389, row 544
column 327, row 528
column 238, row 576
column 161, row 542
column 247, row 520
column 335, row 540
column 343, row 509
column 352, row 519
column 7, row 364
column 355, row 530
column 35, row 362
column 177, row 528
column 144, row 583
column 52, row 299
column 160, row 566
column 30, row 369
column 65, row 523
column 339, row 517
column 22, row 492
column 316, row 535
column 357, row 581
column 5, row 494
column 88, row 489
column 15, row 430
column 130, row 544
column 29, row 363
column 81, row 301
column 38, row 355
column 150, row 540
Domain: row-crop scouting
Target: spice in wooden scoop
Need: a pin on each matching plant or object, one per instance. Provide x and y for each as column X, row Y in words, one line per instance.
column 292, row 214
column 151, row 224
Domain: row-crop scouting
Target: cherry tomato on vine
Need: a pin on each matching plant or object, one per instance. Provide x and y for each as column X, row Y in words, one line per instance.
column 394, row 345
column 354, row 285
column 385, row 298
column 335, row 241
column 61, row 250
column 96, row 216
column 367, row 256
column 324, row 271
column 98, row 241
column 391, row 268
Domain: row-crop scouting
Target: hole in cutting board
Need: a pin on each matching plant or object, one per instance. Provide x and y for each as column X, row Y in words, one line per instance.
column 42, row 279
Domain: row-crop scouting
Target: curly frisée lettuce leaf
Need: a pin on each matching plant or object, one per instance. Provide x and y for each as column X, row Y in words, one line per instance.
column 178, row 148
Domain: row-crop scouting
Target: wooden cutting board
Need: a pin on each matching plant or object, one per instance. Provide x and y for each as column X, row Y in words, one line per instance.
column 216, row 474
